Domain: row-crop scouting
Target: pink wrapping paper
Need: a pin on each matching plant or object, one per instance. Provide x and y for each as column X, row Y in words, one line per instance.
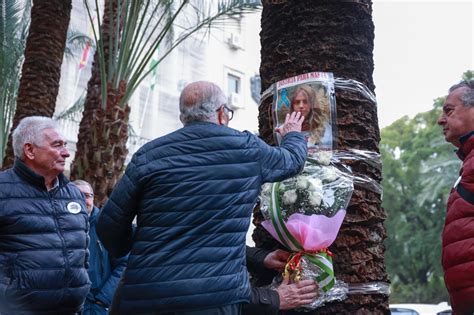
column 313, row 232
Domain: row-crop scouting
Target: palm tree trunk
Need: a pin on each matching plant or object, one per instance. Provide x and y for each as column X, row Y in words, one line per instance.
column 300, row 36
column 41, row 69
column 103, row 132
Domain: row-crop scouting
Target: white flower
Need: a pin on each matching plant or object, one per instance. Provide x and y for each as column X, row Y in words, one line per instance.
column 282, row 186
column 315, row 184
column 329, row 174
column 315, row 198
column 266, row 188
column 325, row 157
column 302, row 182
column 289, row 197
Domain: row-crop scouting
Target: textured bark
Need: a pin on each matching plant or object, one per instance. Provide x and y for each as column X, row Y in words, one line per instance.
column 101, row 148
column 300, row 36
column 41, row 71
column 103, row 133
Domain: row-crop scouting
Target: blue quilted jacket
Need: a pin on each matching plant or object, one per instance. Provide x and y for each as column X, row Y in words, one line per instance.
column 104, row 272
column 43, row 245
column 193, row 192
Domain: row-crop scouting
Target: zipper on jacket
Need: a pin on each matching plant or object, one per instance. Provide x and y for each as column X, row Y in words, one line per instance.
column 61, row 237
column 101, row 258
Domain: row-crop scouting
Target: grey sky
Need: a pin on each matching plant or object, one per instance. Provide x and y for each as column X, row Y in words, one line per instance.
column 421, row 49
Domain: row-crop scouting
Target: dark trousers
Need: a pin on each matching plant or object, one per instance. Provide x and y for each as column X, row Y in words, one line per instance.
column 233, row 309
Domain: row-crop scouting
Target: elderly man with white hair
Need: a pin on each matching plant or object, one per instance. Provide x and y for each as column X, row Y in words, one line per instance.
column 192, row 192
column 43, row 227
column 457, row 121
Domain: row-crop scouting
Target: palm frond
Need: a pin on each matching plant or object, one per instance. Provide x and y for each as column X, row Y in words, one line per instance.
column 10, row 19
column 206, row 16
column 73, row 112
column 143, row 26
column 98, row 39
column 14, row 24
column 76, row 41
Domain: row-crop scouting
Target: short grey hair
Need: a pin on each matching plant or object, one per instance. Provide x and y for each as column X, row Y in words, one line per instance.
column 81, row 182
column 200, row 101
column 468, row 97
column 29, row 131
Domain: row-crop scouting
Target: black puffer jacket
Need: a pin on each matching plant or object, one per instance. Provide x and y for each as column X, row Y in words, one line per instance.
column 263, row 301
column 43, row 245
column 193, row 192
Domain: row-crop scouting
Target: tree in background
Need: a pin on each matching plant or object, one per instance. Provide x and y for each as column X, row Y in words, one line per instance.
column 41, row 71
column 300, row 36
column 14, row 23
column 415, row 220
column 420, row 167
column 126, row 41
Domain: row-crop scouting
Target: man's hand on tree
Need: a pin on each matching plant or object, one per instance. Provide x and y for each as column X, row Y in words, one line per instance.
column 296, row 294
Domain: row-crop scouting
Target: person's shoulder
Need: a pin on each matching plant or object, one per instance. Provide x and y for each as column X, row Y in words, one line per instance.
column 140, row 157
column 201, row 130
column 94, row 216
column 70, row 190
column 179, row 135
column 8, row 176
column 191, row 132
column 245, row 137
column 5, row 173
column 155, row 143
column 225, row 130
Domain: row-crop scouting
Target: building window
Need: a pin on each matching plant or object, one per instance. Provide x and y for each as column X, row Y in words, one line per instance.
column 233, row 84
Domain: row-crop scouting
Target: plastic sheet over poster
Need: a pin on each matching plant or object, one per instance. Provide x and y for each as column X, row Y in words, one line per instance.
column 312, row 94
column 304, row 213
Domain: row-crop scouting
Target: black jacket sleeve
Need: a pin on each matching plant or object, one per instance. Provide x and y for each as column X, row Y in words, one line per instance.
column 262, row 302
column 255, row 257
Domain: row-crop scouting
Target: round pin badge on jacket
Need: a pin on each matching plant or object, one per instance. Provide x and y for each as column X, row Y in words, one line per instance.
column 74, row 207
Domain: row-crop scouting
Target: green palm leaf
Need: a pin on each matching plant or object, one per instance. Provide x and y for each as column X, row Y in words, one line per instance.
column 75, row 43
column 14, row 23
column 74, row 112
column 145, row 25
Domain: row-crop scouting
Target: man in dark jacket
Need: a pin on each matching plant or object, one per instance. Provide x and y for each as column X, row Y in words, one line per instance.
column 193, row 191
column 104, row 271
column 265, row 301
column 457, row 121
column 43, row 227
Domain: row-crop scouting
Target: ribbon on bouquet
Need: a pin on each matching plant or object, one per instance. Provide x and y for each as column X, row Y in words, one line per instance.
column 321, row 258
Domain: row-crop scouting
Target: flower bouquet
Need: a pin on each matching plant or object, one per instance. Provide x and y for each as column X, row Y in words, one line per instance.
column 304, row 213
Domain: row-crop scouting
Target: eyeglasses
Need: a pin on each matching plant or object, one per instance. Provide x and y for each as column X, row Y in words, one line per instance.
column 230, row 112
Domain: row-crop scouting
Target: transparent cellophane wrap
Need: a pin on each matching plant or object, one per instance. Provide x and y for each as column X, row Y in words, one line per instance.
column 311, row 207
column 338, row 292
column 333, row 192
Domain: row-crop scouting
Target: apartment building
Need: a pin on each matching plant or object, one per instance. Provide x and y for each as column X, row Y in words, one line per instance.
column 227, row 55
